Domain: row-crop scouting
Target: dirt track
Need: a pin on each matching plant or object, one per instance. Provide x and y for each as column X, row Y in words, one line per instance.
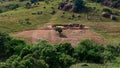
column 72, row 36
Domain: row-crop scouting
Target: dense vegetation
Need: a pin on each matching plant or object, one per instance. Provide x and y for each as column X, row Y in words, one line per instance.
column 17, row 54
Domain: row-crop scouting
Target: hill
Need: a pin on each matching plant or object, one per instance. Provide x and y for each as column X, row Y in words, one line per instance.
column 21, row 18
column 27, row 19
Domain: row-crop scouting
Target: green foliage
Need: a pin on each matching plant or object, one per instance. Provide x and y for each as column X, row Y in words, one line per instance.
column 5, row 65
column 4, row 42
column 1, row 11
column 9, row 46
column 28, row 5
column 27, row 62
column 65, row 48
column 79, row 4
column 115, row 50
column 17, row 45
column 89, row 51
column 13, row 6
column 45, row 55
column 4, row 38
column 58, row 30
column 54, row 56
column 107, row 10
column 66, row 61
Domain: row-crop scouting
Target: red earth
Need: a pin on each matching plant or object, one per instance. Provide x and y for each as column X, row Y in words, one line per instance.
column 68, row 35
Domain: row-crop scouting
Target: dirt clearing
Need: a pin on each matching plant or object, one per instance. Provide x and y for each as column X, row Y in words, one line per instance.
column 72, row 36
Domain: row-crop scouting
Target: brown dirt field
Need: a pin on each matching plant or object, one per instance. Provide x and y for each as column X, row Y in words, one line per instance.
column 72, row 36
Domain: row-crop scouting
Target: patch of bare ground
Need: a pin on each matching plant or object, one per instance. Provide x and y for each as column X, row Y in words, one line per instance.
column 72, row 36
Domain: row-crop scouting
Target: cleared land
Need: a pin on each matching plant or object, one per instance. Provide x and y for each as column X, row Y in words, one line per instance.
column 73, row 36
column 14, row 20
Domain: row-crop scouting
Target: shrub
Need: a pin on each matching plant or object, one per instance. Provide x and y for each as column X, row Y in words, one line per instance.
column 13, row 6
column 65, row 48
column 59, row 30
column 27, row 5
column 107, row 10
column 89, row 51
column 1, row 11
column 79, row 4
column 4, row 45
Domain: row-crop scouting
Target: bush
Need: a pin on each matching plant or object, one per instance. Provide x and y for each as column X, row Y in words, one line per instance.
column 13, row 6
column 4, row 45
column 10, row 46
column 107, row 10
column 59, row 30
column 27, row 62
column 89, row 51
column 79, row 4
column 28, row 5
column 1, row 11
column 65, row 48
column 45, row 55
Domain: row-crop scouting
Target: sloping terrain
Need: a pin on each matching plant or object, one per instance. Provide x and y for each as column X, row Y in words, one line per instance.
column 17, row 18
column 72, row 36
column 13, row 21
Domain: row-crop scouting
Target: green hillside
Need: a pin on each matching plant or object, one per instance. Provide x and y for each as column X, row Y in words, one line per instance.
column 21, row 18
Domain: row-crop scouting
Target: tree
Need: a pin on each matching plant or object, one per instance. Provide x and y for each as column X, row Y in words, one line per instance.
column 89, row 51
column 17, row 45
column 59, row 30
column 66, row 61
column 10, row 46
column 4, row 44
column 79, row 4
column 28, row 5
column 14, row 6
column 25, row 51
column 65, row 48
column 27, row 61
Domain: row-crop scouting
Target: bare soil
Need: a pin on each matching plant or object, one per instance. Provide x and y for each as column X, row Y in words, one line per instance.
column 72, row 36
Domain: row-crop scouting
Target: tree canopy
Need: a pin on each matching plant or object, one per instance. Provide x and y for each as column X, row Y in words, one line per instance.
column 46, row 55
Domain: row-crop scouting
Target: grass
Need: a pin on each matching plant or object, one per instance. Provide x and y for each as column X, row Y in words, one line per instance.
column 14, row 20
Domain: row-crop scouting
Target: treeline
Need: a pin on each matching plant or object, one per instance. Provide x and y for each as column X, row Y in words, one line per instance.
column 16, row 53
column 110, row 3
